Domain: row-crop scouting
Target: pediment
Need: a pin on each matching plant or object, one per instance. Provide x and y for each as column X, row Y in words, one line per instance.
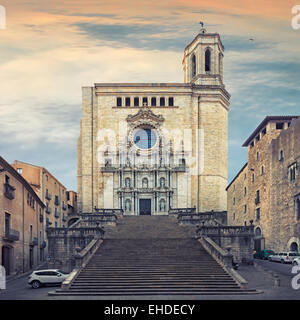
column 145, row 114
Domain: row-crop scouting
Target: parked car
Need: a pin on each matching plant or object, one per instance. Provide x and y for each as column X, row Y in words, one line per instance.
column 49, row 276
column 296, row 262
column 284, row 257
column 263, row 254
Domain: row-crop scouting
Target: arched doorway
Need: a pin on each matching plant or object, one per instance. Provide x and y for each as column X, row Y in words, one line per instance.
column 294, row 246
column 6, row 259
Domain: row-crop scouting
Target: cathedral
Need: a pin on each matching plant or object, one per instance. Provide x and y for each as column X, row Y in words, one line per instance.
column 146, row 148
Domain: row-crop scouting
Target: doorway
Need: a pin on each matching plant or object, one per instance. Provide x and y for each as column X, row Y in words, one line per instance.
column 6, row 260
column 145, row 207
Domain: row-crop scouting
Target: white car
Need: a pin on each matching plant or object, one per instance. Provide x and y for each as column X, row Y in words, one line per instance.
column 49, row 276
column 284, row 257
column 296, row 262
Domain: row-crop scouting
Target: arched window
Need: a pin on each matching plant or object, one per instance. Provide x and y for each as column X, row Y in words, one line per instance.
column 127, row 183
column 207, row 60
column 145, row 183
column 162, row 182
column 162, row 205
column 193, row 65
column 127, row 205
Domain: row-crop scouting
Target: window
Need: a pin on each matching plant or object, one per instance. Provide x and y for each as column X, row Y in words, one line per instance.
column 257, row 213
column 153, row 101
column 245, row 192
column 264, row 131
column 292, row 172
column 136, row 101
column 171, row 101
column 252, row 178
column 30, row 234
column 119, row 102
column 207, row 60
column 233, row 201
column 262, row 170
column 127, row 102
column 7, row 223
column 162, row 102
column 279, row 125
column 257, row 156
column 257, row 138
column 297, row 208
column 245, row 208
column 257, row 199
column 145, row 138
column 281, row 155
column 145, row 102
column 252, row 144
column 193, row 65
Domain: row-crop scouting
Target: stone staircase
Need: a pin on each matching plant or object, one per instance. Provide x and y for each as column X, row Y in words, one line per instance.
column 152, row 255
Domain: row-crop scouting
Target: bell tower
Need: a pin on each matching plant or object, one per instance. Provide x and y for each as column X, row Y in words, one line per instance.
column 203, row 59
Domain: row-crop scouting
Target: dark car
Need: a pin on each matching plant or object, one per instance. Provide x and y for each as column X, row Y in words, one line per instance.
column 263, row 254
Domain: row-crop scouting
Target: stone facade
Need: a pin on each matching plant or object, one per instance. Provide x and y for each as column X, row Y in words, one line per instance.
column 50, row 190
column 185, row 125
column 262, row 185
column 22, row 236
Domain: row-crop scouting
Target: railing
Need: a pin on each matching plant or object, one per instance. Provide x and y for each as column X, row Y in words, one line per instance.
column 57, row 214
column 216, row 251
column 182, row 210
column 48, row 195
column 9, row 191
column 64, row 207
column 93, row 220
column 225, row 231
column 41, row 218
column 224, row 258
column 43, row 244
column 11, row 235
column 48, row 210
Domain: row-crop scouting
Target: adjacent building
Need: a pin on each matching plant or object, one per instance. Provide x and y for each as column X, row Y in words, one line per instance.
column 148, row 147
column 50, row 190
column 22, row 233
column 267, row 189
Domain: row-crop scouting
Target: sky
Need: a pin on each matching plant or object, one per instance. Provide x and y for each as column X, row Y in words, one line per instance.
column 51, row 48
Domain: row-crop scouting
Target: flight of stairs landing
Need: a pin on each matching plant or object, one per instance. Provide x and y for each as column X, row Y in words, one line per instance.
column 152, row 255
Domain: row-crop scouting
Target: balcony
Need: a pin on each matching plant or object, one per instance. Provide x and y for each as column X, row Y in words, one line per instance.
column 34, row 242
column 57, row 214
column 48, row 210
column 9, row 191
column 43, row 245
column 48, row 195
column 64, row 218
column 56, row 201
column 41, row 218
column 64, row 207
column 11, row 235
